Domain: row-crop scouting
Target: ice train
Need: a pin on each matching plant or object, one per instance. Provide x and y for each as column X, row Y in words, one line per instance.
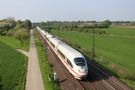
column 73, row 60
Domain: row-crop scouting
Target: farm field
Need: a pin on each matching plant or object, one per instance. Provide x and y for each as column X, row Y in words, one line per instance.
column 115, row 50
column 12, row 65
column 125, row 32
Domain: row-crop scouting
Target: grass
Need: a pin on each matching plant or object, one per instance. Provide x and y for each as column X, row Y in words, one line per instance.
column 115, row 50
column 44, row 65
column 10, row 41
column 122, row 26
column 14, row 43
column 12, row 66
column 13, row 63
column 121, row 31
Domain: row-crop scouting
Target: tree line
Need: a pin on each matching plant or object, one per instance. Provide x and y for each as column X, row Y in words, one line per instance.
column 80, row 26
column 18, row 29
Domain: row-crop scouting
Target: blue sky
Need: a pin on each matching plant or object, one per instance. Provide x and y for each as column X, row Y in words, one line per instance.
column 68, row 10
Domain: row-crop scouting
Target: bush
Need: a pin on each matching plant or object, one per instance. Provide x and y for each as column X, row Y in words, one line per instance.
column 131, row 76
column 21, row 35
column 11, row 32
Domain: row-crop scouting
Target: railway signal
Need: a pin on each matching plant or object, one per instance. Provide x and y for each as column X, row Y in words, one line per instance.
column 94, row 42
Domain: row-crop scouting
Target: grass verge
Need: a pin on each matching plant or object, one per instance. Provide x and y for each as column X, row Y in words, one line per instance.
column 44, row 65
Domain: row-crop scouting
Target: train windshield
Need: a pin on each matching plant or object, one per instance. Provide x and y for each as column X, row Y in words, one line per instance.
column 79, row 61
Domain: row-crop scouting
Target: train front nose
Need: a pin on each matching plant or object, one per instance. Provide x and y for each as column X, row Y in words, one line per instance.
column 83, row 72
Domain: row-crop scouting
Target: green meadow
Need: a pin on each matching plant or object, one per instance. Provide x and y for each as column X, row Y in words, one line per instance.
column 12, row 65
column 14, row 43
column 115, row 50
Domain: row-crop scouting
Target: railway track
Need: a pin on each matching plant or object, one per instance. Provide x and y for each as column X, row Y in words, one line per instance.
column 97, row 79
column 109, row 79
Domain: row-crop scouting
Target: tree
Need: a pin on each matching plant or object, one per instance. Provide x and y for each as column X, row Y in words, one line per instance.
column 105, row 24
column 11, row 22
column 27, row 24
column 21, row 35
column 6, row 25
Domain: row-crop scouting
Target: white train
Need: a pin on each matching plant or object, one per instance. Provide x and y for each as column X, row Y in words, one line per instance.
column 74, row 61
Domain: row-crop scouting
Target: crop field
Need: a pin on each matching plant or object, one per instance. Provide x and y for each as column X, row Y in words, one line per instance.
column 114, row 50
column 12, row 65
column 129, row 32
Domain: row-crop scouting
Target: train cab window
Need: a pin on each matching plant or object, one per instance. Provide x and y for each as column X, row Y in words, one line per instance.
column 69, row 63
column 79, row 61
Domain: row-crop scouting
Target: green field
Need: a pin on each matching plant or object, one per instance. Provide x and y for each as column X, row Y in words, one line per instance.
column 14, row 43
column 12, row 68
column 12, row 64
column 114, row 50
column 121, row 31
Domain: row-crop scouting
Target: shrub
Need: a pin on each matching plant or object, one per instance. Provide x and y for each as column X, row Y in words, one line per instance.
column 21, row 35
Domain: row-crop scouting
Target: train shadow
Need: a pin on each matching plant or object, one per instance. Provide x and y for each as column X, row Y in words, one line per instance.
column 97, row 72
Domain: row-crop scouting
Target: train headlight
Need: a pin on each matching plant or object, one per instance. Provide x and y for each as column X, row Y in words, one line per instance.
column 79, row 71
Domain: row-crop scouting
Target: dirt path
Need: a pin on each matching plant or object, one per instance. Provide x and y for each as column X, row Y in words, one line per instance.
column 23, row 52
column 33, row 78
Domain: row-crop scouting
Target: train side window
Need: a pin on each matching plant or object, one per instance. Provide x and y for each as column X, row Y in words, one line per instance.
column 52, row 44
column 61, row 54
column 69, row 63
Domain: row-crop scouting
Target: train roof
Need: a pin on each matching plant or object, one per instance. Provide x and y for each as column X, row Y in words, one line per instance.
column 42, row 31
column 63, row 47
column 48, row 35
column 69, row 51
column 72, row 51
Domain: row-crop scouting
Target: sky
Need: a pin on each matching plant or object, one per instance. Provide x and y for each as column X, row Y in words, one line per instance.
column 68, row 10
